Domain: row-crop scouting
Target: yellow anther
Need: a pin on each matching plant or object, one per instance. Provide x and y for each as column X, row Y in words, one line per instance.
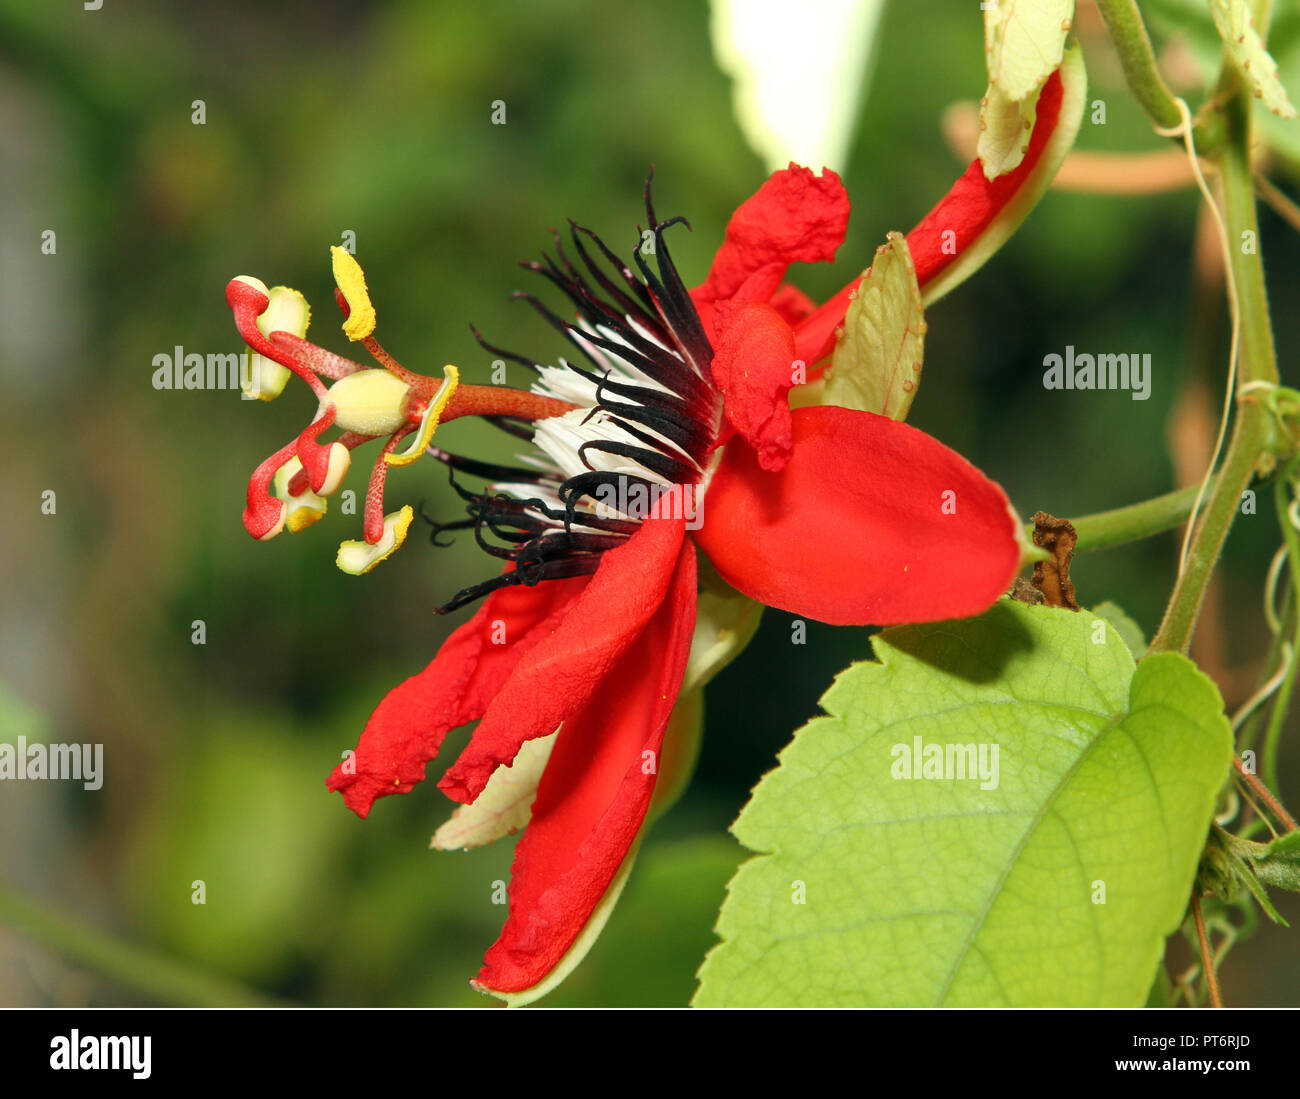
column 286, row 311
column 351, row 281
column 429, row 422
column 300, row 511
column 253, row 281
column 357, row 557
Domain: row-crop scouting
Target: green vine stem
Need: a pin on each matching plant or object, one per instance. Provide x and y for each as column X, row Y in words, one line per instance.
column 1115, row 527
column 1282, row 700
column 1175, row 633
column 155, row 978
column 1256, row 362
column 1249, row 732
column 1129, row 34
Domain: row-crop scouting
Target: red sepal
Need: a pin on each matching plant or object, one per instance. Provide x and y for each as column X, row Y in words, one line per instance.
column 407, row 728
column 871, row 522
column 593, row 797
column 796, row 216
column 968, row 209
column 559, row 677
column 753, row 366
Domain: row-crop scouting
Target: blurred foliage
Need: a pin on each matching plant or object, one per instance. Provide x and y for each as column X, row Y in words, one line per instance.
column 327, row 116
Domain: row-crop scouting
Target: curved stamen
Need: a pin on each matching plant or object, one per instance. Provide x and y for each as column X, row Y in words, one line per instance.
column 420, row 383
column 325, row 466
column 429, row 422
column 350, row 439
column 323, row 362
column 373, row 527
column 247, row 303
column 264, row 514
column 472, row 400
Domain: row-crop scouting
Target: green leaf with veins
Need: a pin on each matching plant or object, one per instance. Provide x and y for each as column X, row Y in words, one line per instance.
column 1191, row 22
column 1129, row 631
column 1023, row 46
column 1023, row 43
column 1242, row 41
column 1005, row 128
column 1226, row 869
column 876, row 366
column 1276, row 863
column 936, row 891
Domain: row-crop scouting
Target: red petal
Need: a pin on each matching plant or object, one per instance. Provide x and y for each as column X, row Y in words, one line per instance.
column 854, row 531
column 754, row 367
column 969, row 207
column 315, row 458
column 792, row 303
column 559, row 677
column 593, row 797
column 974, row 201
column 407, row 728
column 795, row 216
column 262, row 511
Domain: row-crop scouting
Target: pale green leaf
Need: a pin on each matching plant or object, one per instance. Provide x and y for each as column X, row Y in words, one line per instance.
column 1278, row 863
column 876, row 367
column 974, row 254
column 681, row 751
column 1242, row 41
column 725, row 622
column 1006, row 126
column 1129, row 631
column 962, row 891
column 1023, row 43
column 505, row 804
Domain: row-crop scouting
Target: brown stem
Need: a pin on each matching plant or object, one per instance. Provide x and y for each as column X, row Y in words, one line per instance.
column 1278, row 200
column 1265, row 795
column 1207, row 959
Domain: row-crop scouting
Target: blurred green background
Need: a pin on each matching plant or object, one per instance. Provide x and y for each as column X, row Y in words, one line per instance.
column 324, row 117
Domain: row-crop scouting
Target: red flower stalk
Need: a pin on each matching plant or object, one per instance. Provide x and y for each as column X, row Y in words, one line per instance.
column 669, row 433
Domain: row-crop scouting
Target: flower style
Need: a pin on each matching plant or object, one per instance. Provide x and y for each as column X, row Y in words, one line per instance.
column 289, row 488
column 668, row 435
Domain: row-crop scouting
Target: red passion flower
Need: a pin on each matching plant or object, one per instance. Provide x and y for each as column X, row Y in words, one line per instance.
column 669, row 433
